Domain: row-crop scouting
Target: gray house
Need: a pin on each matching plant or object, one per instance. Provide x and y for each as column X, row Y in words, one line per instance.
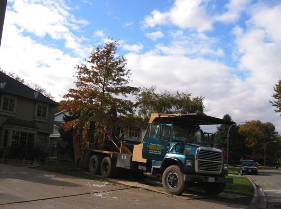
column 26, row 116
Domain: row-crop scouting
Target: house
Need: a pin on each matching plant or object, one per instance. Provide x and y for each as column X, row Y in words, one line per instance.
column 55, row 135
column 26, row 116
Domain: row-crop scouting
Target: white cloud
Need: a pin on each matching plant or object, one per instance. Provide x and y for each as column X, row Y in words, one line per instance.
column 194, row 45
column 263, row 18
column 46, row 17
column 257, row 48
column 234, row 10
column 47, row 66
column 128, row 24
column 184, row 14
column 156, row 18
column 176, row 34
column 155, row 35
column 134, row 48
column 99, row 33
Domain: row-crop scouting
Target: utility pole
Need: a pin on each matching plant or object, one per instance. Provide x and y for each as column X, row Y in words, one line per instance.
column 3, row 5
column 264, row 151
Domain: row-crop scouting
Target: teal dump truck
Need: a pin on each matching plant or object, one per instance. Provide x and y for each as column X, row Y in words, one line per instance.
column 173, row 148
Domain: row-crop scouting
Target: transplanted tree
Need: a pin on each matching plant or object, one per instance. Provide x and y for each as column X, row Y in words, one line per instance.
column 152, row 102
column 257, row 135
column 277, row 96
column 236, row 140
column 101, row 93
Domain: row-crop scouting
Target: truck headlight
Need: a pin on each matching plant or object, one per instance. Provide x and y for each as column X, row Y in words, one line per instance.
column 188, row 162
column 225, row 167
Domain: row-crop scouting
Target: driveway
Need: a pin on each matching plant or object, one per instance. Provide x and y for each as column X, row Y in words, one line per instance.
column 22, row 187
column 270, row 182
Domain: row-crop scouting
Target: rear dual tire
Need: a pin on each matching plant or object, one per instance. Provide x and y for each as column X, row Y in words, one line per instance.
column 104, row 166
column 107, row 167
column 95, row 164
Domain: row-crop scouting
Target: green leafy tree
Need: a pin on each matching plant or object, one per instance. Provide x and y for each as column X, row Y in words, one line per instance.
column 257, row 135
column 152, row 102
column 277, row 96
column 237, row 148
column 101, row 93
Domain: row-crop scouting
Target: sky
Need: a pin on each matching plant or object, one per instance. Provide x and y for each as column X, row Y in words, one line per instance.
column 228, row 52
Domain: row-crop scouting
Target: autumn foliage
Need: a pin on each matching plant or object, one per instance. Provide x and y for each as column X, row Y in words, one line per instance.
column 257, row 135
column 101, row 93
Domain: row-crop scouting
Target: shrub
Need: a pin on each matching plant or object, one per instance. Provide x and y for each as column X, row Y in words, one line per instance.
column 29, row 153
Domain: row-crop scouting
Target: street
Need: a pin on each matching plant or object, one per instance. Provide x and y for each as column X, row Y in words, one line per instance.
column 270, row 182
column 22, row 187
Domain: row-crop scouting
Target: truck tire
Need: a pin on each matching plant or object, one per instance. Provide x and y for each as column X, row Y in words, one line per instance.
column 95, row 164
column 214, row 188
column 107, row 167
column 173, row 180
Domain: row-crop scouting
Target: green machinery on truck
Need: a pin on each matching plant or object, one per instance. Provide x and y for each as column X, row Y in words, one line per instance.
column 173, row 147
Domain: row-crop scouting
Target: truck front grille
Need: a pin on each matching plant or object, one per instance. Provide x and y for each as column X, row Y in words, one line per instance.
column 209, row 161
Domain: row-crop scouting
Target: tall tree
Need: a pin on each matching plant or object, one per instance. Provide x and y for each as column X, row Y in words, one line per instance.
column 150, row 101
column 257, row 135
column 101, row 93
column 236, row 140
column 277, row 96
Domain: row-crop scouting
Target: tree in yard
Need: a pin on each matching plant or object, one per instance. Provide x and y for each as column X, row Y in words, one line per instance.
column 277, row 96
column 67, row 136
column 236, row 141
column 101, row 93
column 152, row 102
column 257, row 135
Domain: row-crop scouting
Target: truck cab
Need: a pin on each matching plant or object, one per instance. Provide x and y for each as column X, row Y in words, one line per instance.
column 179, row 151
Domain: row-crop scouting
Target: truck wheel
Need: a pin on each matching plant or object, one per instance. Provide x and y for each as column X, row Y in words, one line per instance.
column 214, row 188
column 173, row 180
column 95, row 164
column 107, row 167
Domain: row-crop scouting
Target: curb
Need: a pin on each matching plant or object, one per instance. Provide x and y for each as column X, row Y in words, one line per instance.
column 259, row 201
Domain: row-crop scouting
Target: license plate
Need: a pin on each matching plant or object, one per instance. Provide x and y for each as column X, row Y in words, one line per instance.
column 211, row 179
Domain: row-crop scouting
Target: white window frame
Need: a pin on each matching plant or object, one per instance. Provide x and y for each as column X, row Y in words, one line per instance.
column 22, row 136
column 37, row 109
column 9, row 103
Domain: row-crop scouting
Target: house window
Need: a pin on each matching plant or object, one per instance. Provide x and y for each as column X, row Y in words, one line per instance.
column 22, row 139
column 9, row 104
column 41, row 111
column 15, row 138
column 6, row 135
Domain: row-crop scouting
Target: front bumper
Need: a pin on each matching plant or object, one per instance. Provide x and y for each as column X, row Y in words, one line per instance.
column 213, row 179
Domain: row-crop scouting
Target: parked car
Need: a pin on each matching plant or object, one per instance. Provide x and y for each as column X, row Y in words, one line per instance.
column 248, row 167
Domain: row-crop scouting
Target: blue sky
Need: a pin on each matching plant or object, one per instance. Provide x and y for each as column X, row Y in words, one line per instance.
column 226, row 51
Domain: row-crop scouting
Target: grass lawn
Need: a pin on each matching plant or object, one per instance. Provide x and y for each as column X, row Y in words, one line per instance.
column 233, row 170
column 242, row 189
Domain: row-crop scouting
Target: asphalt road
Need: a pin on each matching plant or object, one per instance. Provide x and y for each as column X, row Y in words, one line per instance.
column 270, row 182
column 22, row 187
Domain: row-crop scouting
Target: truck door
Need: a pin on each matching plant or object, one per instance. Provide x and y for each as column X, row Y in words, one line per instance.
column 156, row 141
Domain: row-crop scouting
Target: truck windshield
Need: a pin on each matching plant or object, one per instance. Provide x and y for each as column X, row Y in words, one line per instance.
column 179, row 134
column 190, row 135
